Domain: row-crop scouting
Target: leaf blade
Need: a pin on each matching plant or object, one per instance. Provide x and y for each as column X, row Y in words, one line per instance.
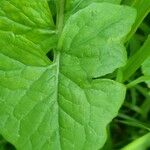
column 51, row 104
column 102, row 41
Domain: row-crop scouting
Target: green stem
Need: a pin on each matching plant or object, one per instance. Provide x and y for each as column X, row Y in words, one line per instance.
column 137, row 81
column 142, row 143
column 143, row 91
column 60, row 16
column 136, row 60
column 60, row 22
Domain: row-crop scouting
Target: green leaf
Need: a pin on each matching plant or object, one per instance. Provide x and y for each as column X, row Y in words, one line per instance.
column 143, row 8
column 29, row 23
column 75, row 5
column 99, row 39
column 53, row 6
column 137, row 60
column 142, row 143
column 145, row 70
column 31, row 118
column 58, row 105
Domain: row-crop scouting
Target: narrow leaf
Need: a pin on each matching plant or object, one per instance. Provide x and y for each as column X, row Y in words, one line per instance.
column 143, row 8
column 142, row 143
column 136, row 60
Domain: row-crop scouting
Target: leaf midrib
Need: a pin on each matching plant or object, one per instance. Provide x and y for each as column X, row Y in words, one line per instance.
column 60, row 24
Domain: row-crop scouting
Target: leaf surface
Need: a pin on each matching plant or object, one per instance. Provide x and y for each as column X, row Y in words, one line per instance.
column 28, row 23
column 57, row 105
column 92, row 41
column 75, row 5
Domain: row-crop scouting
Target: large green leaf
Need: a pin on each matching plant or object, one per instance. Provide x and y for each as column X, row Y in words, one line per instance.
column 58, row 106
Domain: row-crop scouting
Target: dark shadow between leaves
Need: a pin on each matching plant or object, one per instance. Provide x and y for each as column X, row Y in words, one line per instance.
column 4, row 144
column 50, row 55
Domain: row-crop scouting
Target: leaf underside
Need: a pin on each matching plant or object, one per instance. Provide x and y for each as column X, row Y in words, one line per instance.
column 57, row 105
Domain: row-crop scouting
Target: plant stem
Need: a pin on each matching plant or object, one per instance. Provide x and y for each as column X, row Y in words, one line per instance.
column 60, row 16
column 136, row 60
column 60, row 22
column 141, row 143
column 137, row 81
